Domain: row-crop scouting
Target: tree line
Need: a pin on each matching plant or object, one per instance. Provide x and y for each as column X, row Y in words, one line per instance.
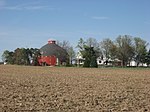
column 22, row 56
column 124, row 48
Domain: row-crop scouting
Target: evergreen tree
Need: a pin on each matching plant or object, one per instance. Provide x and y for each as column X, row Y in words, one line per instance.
column 89, row 51
column 90, row 57
column 94, row 62
column 147, row 58
column 86, row 54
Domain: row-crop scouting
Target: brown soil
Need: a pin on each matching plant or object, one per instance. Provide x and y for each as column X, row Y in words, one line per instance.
column 58, row 89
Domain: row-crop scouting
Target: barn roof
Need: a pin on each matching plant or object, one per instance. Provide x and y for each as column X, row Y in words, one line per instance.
column 52, row 48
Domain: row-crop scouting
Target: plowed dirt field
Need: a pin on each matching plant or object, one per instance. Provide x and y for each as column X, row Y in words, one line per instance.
column 58, row 89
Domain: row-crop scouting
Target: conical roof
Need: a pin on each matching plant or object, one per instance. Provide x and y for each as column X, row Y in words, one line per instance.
column 52, row 49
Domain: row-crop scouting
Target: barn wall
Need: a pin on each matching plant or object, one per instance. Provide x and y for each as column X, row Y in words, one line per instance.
column 48, row 60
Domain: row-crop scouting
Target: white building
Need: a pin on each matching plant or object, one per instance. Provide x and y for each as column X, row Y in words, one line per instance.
column 79, row 59
column 100, row 61
column 134, row 63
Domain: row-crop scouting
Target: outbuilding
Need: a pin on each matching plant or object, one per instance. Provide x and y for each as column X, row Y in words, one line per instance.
column 52, row 54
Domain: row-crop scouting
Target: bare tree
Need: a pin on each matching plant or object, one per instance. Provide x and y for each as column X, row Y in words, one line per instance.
column 125, row 49
column 140, row 50
column 92, row 42
column 66, row 45
column 81, row 44
column 108, row 49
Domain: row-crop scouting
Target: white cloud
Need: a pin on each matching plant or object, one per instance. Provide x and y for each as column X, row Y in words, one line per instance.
column 25, row 6
column 35, row 7
column 2, row 33
column 11, row 8
column 38, row 7
column 100, row 17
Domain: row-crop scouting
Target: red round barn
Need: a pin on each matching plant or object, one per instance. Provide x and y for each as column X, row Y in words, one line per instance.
column 52, row 54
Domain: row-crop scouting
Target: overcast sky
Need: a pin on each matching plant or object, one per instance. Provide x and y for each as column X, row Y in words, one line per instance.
column 30, row 23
